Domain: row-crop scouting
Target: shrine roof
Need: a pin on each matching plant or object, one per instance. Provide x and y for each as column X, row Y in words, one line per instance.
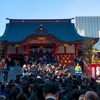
column 63, row 29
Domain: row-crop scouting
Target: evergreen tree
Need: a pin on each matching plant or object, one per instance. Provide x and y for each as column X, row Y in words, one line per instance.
column 1, row 52
column 88, row 50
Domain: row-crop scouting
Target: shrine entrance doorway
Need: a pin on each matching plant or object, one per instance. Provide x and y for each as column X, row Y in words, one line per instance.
column 42, row 53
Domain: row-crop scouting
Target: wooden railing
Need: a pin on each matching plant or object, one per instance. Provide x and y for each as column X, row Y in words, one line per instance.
column 88, row 69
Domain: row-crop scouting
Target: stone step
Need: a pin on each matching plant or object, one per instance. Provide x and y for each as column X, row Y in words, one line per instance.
column 12, row 73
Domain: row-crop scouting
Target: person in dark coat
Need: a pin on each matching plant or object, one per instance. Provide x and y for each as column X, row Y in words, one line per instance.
column 5, row 73
column 51, row 91
column 81, row 63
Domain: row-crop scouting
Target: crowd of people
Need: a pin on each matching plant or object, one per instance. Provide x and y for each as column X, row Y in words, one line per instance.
column 41, row 81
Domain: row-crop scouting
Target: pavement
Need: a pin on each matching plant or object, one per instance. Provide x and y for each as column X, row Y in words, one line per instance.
column 12, row 73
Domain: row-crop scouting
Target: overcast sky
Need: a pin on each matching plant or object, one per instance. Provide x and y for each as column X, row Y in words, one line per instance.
column 46, row 9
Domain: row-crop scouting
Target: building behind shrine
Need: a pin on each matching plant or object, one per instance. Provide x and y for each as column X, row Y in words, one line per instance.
column 27, row 38
column 89, row 26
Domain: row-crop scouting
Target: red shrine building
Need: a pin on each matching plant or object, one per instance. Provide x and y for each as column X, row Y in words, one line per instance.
column 58, row 38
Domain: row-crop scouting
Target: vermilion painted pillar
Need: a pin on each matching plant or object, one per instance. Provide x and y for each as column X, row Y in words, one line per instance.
column 16, row 50
column 65, row 49
column 5, row 50
column 75, row 50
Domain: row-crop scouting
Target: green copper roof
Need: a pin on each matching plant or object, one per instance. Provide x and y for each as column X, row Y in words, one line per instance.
column 19, row 30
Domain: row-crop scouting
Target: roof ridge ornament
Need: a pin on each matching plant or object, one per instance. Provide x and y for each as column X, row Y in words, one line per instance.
column 41, row 25
column 41, row 30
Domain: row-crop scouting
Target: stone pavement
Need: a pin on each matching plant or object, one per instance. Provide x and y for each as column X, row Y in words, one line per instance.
column 12, row 73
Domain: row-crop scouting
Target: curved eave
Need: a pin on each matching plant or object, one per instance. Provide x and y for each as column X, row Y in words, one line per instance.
column 47, row 35
column 95, row 40
column 51, row 35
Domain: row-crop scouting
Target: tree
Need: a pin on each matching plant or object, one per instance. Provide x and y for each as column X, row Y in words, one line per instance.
column 1, row 52
column 88, row 44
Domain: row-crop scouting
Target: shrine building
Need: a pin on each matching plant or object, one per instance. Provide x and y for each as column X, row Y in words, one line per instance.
column 42, row 37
